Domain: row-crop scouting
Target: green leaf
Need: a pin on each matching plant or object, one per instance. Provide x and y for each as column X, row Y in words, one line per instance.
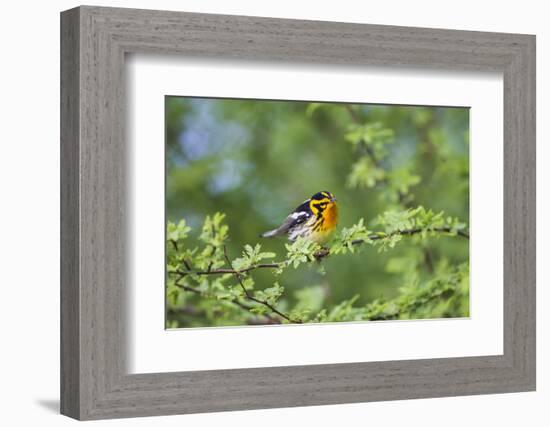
column 214, row 232
column 365, row 174
column 301, row 251
column 397, row 220
column 402, row 179
column 271, row 295
column 177, row 232
column 374, row 135
column 251, row 255
column 344, row 242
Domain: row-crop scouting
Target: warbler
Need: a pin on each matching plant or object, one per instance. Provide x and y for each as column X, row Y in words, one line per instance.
column 314, row 219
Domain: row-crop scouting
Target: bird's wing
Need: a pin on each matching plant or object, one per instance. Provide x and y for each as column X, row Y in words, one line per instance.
column 298, row 216
column 294, row 219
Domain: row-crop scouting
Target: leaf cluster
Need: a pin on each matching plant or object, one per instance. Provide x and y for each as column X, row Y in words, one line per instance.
column 204, row 278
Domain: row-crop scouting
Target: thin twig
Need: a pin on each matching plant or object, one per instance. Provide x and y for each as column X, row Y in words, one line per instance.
column 401, row 196
column 412, row 231
column 187, row 265
column 246, row 307
column 322, row 253
column 174, row 243
column 251, row 297
column 326, row 252
column 229, row 270
column 199, row 292
column 368, row 148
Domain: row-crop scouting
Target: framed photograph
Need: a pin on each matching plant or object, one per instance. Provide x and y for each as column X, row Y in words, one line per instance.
column 225, row 194
column 262, row 213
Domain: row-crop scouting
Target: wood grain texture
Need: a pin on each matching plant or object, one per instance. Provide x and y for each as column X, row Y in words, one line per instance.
column 70, row 292
column 94, row 197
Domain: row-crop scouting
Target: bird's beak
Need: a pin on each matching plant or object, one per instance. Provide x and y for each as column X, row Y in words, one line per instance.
column 333, row 199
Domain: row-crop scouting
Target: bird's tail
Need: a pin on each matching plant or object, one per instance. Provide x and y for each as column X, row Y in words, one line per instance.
column 271, row 233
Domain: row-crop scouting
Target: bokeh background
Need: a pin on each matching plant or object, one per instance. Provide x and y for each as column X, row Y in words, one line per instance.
column 256, row 160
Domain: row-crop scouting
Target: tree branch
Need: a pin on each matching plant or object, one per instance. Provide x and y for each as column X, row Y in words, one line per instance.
column 367, row 148
column 229, row 270
column 246, row 307
column 412, row 231
column 401, row 197
column 322, row 253
column 251, row 297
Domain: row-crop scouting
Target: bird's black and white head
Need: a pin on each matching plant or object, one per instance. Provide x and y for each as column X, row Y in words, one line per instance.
column 324, row 196
column 321, row 201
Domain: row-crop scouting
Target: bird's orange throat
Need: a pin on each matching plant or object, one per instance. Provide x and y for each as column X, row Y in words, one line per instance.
column 328, row 225
column 331, row 216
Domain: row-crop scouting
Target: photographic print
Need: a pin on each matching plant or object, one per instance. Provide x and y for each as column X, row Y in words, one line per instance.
column 294, row 212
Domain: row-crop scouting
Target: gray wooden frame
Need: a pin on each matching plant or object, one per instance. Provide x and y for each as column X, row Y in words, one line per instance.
column 94, row 41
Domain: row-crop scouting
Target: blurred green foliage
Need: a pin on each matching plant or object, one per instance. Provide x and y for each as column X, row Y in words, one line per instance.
column 254, row 161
